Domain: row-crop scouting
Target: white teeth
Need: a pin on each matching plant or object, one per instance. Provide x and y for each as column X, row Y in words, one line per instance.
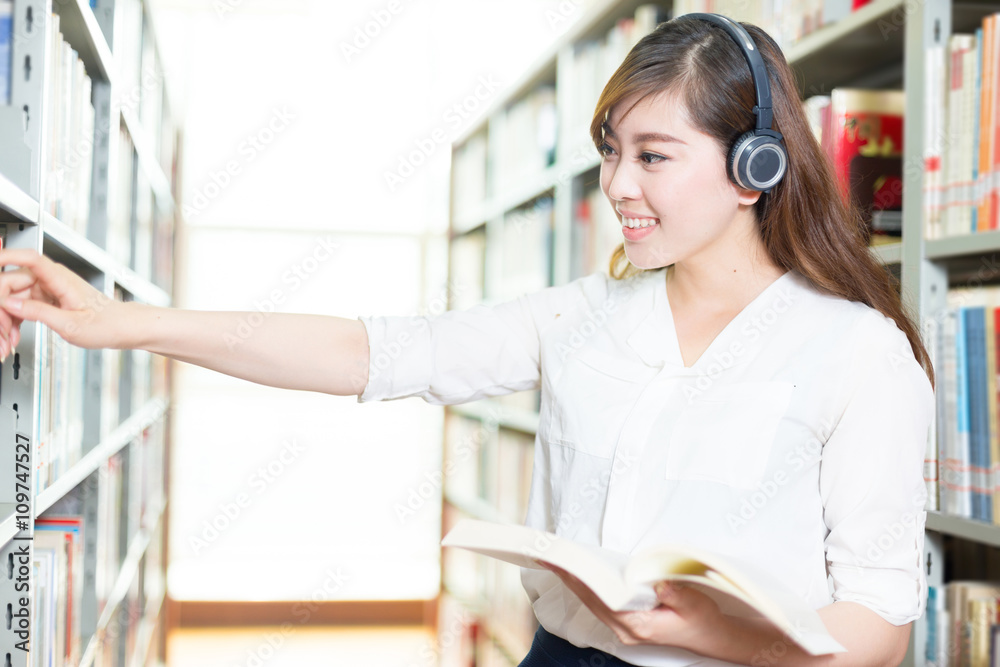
column 638, row 222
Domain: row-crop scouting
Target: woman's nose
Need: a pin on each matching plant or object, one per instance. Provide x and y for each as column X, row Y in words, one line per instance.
column 622, row 185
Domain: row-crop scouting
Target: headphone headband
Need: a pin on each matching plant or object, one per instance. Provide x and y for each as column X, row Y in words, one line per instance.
column 758, row 71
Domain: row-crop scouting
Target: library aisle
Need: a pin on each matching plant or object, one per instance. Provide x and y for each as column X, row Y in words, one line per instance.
column 372, row 647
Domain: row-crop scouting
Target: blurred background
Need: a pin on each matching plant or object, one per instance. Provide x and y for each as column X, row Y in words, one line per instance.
column 293, row 121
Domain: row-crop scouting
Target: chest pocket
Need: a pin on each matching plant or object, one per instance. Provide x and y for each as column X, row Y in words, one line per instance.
column 594, row 396
column 727, row 436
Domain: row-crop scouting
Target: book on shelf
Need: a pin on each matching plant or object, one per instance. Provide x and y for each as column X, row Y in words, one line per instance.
column 962, row 624
column 862, row 133
column 525, row 251
column 467, row 270
column 524, row 139
column 112, row 543
column 468, row 175
column 786, row 22
column 591, row 65
column 69, row 133
column 490, row 591
column 596, row 232
column 625, row 581
column 962, row 108
column 59, row 554
column 61, row 378
column 120, row 199
column 6, row 46
column 966, row 422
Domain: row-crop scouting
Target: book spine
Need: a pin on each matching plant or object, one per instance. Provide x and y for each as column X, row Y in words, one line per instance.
column 6, row 47
column 974, row 149
column 976, row 392
column 994, row 186
column 962, row 444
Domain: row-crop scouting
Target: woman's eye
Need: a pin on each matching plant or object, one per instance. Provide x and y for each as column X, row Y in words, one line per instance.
column 651, row 158
column 605, row 150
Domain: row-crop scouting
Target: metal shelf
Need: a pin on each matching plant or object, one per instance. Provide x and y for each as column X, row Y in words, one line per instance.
column 80, row 29
column 866, row 40
column 888, row 253
column 977, row 531
column 69, row 247
column 19, row 204
column 966, row 246
column 525, row 421
column 598, row 18
column 158, row 181
column 475, row 507
column 128, row 571
column 529, row 189
column 90, row 462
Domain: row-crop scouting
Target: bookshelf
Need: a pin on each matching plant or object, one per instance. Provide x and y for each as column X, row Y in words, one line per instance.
column 883, row 44
column 88, row 172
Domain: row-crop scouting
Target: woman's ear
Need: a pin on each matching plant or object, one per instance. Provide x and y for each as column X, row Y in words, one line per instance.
column 747, row 197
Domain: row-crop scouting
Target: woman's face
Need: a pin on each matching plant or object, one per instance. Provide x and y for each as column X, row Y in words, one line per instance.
column 669, row 180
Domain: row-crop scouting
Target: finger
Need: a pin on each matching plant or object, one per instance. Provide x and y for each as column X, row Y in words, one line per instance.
column 54, row 276
column 33, row 310
column 18, row 280
column 668, row 593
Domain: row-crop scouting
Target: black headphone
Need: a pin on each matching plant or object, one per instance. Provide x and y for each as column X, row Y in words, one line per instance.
column 757, row 161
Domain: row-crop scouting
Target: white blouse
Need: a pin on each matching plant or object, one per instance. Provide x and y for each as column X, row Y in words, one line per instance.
column 795, row 442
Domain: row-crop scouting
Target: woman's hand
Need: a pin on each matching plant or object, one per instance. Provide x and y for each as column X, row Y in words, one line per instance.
column 686, row 618
column 42, row 290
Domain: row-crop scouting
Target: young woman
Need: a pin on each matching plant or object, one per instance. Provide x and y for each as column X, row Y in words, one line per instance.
column 746, row 381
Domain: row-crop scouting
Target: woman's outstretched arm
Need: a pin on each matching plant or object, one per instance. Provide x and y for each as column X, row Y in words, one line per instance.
column 308, row 352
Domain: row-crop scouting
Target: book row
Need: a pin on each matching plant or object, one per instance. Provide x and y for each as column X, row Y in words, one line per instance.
column 130, row 380
column 75, row 140
column 100, row 540
column 595, row 234
column 787, row 21
column 69, row 131
column 521, row 141
column 962, row 134
column 488, row 463
column 963, row 624
column 963, row 339
column 497, row 616
column 591, row 66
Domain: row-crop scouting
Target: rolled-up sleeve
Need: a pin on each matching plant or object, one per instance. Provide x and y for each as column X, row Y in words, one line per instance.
column 871, row 478
column 461, row 355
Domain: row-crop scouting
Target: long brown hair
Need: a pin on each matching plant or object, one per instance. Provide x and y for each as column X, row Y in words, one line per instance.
column 805, row 223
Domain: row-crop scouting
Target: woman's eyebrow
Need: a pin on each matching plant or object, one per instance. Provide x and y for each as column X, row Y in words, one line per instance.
column 658, row 136
column 644, row 136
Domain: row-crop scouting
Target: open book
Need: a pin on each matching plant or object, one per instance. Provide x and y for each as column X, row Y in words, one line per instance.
column 625, row 582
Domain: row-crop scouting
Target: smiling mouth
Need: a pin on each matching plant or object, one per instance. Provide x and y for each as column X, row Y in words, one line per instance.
column 633, row 223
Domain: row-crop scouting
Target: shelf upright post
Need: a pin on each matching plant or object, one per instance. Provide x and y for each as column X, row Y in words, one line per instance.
column 106, row 126
column 924, row 282
column 21, row 121
column 17, row 586
column 93, row 426
column 562, row 223
column 19, row 396
column 104, row 12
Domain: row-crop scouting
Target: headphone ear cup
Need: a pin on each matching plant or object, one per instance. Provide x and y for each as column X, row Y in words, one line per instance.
column 757, row 162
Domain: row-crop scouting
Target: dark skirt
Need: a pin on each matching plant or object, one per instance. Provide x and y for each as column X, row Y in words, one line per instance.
column 548, row 650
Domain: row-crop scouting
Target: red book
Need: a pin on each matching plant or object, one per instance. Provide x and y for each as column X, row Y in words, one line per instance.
column 867, row 124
